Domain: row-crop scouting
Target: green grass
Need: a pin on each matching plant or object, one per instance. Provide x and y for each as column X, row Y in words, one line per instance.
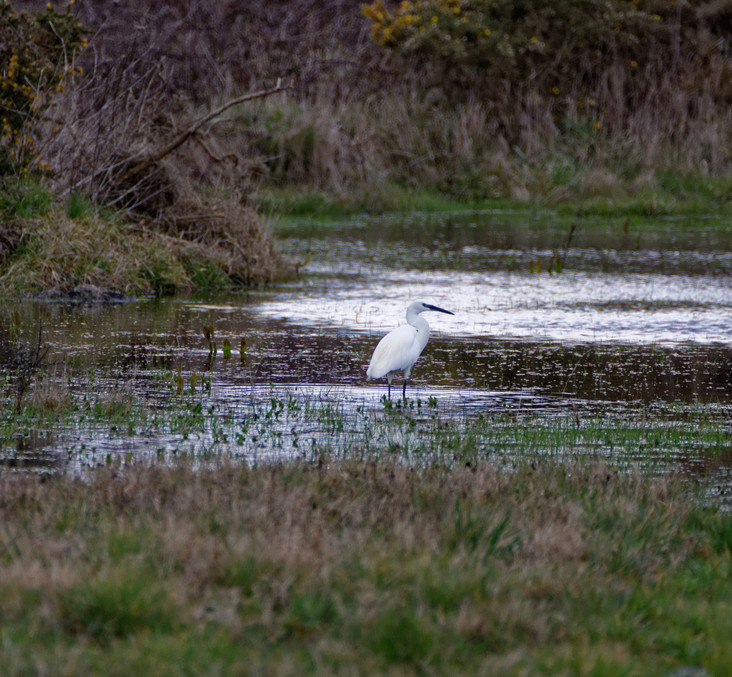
column 181, row 415
column 367, row 567
column 671, row 194
column 24, row 199
column 60, row 245
column 298, row 203
column 54, row 246
column 78, row 206
column 668, row 195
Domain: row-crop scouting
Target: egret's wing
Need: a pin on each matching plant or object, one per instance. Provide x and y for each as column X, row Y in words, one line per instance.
column 397, row 351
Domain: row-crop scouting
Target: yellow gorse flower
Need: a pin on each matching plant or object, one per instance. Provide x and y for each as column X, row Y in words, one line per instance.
column 38, row 50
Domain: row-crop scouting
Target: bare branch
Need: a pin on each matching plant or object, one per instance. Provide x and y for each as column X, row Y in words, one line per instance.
column 148, row 159
column 182, row 138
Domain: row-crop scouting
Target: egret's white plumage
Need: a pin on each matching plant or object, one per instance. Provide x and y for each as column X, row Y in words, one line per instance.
column 401, row 347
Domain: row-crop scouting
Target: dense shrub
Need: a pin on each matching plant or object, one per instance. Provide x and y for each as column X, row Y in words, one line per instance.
column 600, row 56
column 37, row 54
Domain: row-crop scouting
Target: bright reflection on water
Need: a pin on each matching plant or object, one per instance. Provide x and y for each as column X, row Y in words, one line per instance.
column 633, row 321
column 571, row 307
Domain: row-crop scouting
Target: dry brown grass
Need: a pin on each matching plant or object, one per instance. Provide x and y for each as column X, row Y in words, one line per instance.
column 311, row 519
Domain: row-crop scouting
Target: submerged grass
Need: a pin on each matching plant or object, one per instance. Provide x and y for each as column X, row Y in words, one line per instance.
column 95, row 423
column 554, row 567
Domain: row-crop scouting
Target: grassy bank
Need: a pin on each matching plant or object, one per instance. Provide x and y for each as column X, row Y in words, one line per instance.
column 552, row 568
column 670, row 194
column 61, row 245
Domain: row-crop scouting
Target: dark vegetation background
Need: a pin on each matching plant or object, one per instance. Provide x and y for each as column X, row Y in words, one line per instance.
column 622, row 88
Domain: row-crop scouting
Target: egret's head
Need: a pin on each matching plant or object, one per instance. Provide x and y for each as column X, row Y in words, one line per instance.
column 420, row 307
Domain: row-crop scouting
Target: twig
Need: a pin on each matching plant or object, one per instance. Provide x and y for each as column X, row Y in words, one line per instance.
column 229, row 156
column 568, row 242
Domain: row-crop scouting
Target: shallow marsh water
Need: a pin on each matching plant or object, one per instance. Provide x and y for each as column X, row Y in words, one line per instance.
column 631, row 324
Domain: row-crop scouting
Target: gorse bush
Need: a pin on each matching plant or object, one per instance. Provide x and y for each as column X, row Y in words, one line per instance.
column 37, row 54
column 584, row 55
column 530, row 41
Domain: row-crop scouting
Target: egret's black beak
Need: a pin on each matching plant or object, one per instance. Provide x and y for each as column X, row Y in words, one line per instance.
column 439, row 310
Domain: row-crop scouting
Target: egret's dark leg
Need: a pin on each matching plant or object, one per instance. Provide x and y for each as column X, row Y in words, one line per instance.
column 404, row 385
column 389, row 395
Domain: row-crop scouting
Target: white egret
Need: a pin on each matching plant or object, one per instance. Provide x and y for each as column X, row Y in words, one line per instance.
column 401, row 347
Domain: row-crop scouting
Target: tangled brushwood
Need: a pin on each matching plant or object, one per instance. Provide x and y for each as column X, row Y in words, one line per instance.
column 108, row 129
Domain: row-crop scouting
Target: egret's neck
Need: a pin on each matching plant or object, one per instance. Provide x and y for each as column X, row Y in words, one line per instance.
column 418, row 322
